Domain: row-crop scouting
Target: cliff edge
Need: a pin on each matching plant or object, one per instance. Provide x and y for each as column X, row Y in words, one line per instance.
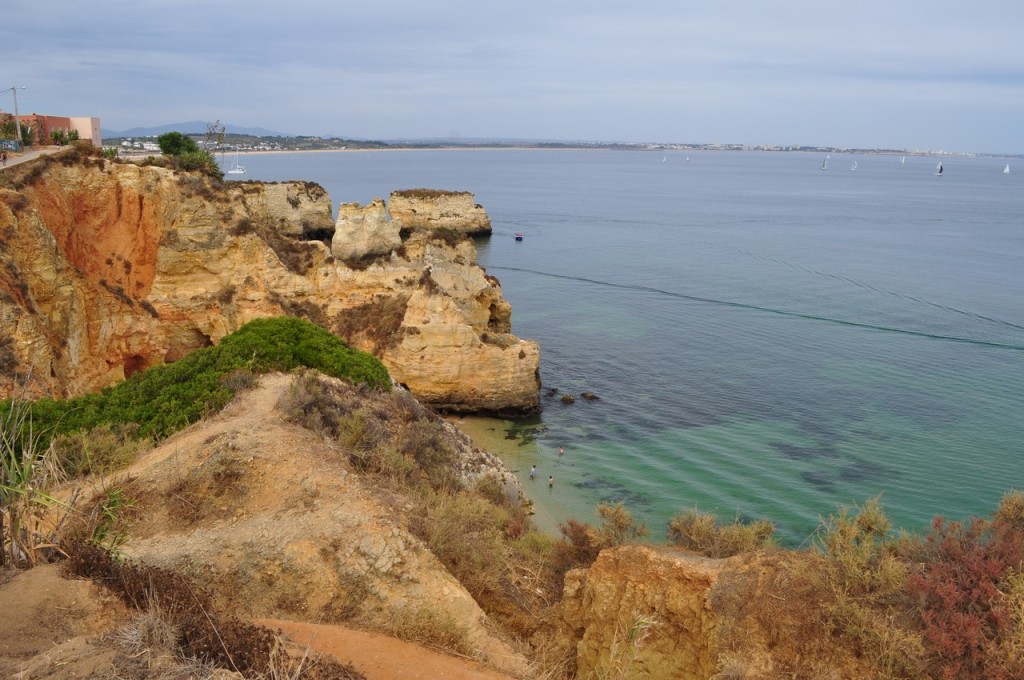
column 108, row 268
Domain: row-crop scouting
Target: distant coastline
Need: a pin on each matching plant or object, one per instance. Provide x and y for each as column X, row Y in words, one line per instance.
column 248, row 144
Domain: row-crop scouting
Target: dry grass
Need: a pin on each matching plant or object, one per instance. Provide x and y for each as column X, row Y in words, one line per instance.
column 428, row 627
column 102, row 450
column 701, row 532
column 178, row 622
column 482, row 536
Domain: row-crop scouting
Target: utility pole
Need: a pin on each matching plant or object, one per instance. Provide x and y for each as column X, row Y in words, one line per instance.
column 17, row 123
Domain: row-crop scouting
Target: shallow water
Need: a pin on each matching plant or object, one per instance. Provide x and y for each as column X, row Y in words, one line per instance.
column 767, row 339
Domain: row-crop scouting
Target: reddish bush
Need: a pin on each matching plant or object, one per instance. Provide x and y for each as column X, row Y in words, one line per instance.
column 961, row 588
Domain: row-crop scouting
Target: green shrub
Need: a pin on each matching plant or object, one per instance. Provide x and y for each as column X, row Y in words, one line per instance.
column 176, row 144
column 164, row 399
column 202, row 161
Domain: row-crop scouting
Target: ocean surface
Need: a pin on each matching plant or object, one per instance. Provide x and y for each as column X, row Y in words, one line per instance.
column 767, row 339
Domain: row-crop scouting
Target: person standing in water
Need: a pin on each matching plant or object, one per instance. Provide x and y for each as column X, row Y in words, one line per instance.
column 560, row 450
column 533, row 472
column 551, row 481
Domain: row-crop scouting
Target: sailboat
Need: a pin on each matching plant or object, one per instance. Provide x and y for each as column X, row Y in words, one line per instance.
column 1006, row 170
column 938, row 169
column 903, row 159
column 235, row 168
column 824, row 164
column 854, row 166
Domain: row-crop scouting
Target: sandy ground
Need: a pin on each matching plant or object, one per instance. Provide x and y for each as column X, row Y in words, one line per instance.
column 380, row 657
column 53, row 627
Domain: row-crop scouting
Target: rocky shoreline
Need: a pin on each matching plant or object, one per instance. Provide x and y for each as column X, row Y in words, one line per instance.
column 109, row 268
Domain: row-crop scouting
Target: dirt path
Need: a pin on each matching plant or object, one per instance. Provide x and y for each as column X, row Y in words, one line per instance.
column 380, row 657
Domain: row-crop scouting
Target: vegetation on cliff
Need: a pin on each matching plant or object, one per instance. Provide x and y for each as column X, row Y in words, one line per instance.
column 944, row 605
column 164, row 399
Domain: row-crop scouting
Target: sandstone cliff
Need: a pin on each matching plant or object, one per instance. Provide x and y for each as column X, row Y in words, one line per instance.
column 433, row 208
column 649, row 612
column 108, row 268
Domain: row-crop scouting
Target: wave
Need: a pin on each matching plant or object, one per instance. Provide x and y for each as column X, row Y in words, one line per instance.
column 789, row 313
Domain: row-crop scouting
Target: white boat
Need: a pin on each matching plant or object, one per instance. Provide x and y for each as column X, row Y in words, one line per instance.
column 903, row 159
column 854, row 166
column 938, row 168
column 664, row 158
column 824, row 164
column 235, row 168
column 1006, row 170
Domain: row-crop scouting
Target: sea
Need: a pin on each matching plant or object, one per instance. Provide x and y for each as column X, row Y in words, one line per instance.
column 765, row 339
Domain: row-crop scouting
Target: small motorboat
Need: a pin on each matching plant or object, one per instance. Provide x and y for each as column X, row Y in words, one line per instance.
column 519, row 236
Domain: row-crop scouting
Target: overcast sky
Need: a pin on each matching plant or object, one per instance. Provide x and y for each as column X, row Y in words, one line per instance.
column 913, row 74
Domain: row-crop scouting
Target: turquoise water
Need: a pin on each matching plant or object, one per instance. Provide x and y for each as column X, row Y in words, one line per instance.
column 767, row 339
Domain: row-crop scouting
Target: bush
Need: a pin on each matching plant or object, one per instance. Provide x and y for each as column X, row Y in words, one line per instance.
column 176, row 144
column 702, row 533
column 201, row 161
column 969, row 619
column 164, row 399
column 862, row 581
column 581, row 543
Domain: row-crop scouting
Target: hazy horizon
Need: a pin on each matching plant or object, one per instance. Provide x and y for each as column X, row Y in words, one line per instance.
column 913, row 75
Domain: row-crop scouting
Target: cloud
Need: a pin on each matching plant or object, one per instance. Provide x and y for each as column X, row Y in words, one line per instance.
column 649, row 70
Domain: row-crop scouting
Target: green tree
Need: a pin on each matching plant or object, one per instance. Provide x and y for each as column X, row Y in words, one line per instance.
column 176, row 144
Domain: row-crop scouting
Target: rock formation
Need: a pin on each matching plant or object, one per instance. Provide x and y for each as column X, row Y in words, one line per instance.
column 432, row 208
column 634, row 587
column 646, row 612
column 364, row 231
column 107, row 268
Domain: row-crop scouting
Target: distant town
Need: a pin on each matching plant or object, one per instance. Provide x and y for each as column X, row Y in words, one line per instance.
column 262, row 143
column 35, row 129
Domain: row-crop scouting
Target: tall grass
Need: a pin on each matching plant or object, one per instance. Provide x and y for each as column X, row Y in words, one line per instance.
column 25, row 470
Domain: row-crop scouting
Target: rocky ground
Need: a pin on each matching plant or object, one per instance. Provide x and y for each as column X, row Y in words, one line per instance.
column 267, row 516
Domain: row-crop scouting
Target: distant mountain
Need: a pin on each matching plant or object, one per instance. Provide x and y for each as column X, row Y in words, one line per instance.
column 192, row 127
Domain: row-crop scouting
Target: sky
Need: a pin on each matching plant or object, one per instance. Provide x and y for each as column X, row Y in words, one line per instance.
column 901, row 74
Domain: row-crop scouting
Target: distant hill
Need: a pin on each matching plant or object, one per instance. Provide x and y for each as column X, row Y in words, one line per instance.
column 192, row 127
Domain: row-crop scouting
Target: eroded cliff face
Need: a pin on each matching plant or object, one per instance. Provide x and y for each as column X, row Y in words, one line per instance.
column 434, row 208
column 108, row 268
column 642, row 608
column 644, row 611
